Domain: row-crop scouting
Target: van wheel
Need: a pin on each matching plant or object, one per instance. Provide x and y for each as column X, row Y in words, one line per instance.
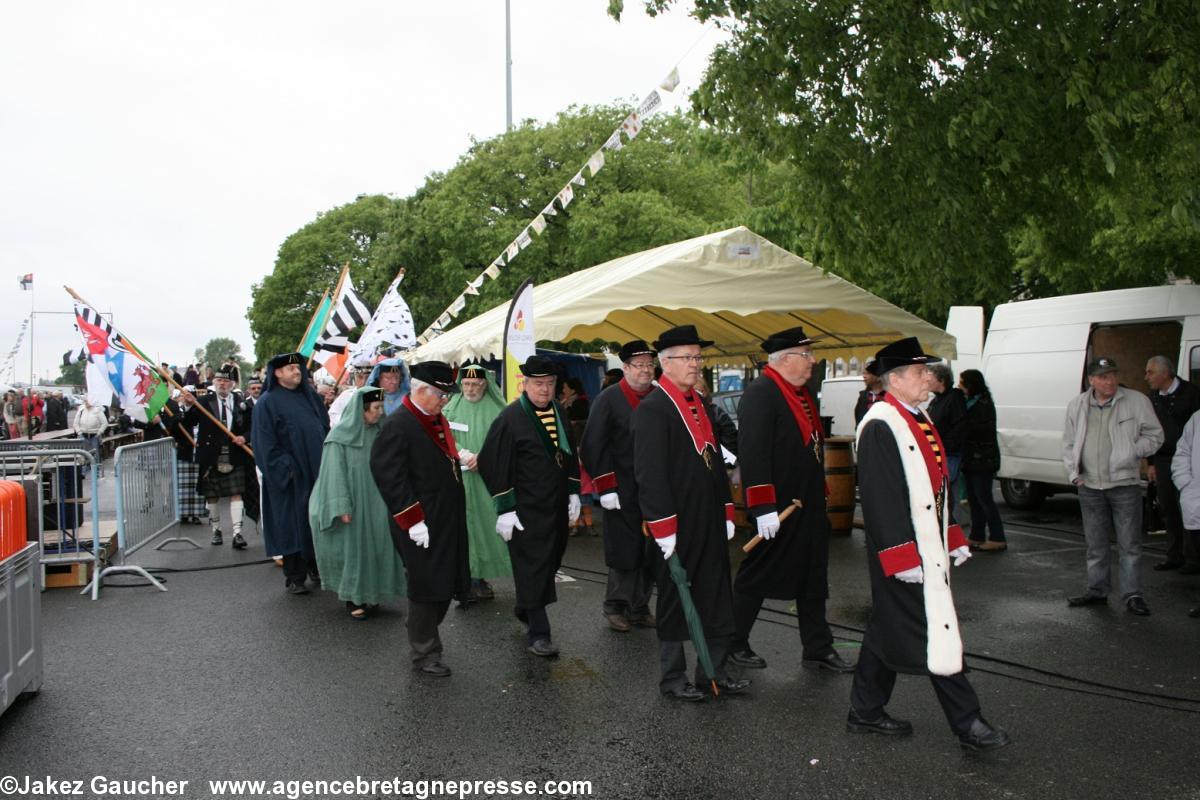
column 1021, row 494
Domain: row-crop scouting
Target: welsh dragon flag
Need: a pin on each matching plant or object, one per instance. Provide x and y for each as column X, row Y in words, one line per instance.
column 120, row 366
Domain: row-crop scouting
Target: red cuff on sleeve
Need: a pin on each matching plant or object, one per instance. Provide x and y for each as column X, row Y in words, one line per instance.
column 955, row 538
column 662, row 528
column 899, row 558
column 761, row 495
column 605, row 483
column 410, row 516
column 729, row 512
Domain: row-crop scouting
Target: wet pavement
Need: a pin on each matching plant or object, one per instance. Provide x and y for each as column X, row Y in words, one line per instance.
column 226, row 676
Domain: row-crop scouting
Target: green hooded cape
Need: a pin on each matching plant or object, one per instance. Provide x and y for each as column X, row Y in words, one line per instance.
column 357, row 560
column 470, row 422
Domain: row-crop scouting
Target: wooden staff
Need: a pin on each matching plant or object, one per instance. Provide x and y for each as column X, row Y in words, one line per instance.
column 787, row 512
column 166, row 376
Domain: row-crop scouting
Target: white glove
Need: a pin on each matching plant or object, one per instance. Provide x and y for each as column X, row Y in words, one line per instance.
column 468, row 459
column 573, row 508
column 610, row 502
column 768, row 525
column 960, row 555
column 505, row 524
column 667, row 545
column 729, row 529
column 419, row 533
column 913, row 575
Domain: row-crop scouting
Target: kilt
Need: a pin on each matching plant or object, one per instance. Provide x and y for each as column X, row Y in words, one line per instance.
column 191, row 502
column 214, row 483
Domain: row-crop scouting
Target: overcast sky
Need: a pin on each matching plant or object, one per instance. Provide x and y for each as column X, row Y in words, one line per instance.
column 154, row 156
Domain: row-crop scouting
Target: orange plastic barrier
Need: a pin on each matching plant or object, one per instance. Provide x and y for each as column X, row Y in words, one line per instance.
column 12, row 518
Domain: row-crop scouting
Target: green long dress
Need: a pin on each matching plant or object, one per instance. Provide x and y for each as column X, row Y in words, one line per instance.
column 357, row 559
column 470, row 423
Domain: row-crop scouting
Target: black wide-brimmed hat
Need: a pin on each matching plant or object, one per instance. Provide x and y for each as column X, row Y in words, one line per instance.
column 371, row 395
column 681, row 335
column 901, row 354
column 539, row 367
column 286, row 359
column 637, row 347
column 782, row 340
column 436, row 373
column 872, row 367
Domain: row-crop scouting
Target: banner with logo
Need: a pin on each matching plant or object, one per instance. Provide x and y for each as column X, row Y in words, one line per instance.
column 519, row 339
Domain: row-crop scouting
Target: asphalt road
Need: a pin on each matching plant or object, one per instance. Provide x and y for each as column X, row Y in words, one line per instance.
column 226, row 676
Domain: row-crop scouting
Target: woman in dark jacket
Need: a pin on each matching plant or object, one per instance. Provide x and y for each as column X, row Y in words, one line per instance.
column 980, row 462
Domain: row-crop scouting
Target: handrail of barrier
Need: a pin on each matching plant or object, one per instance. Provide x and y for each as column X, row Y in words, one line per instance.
column 146, row 502
column 31, row 460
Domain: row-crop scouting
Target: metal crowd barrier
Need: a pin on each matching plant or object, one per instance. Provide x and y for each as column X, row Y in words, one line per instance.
column 147, row 502
column 55, row 473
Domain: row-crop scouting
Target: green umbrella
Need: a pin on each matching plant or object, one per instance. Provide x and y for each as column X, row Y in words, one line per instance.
column 694, row 623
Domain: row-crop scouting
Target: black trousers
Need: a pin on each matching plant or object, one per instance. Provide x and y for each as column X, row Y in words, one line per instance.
column 423, row 636
column 628, row 591
column 297, row 568
column 1181, row 544
column 672, row 663
column 537, row 623
column 815, row 635
column 873, row 684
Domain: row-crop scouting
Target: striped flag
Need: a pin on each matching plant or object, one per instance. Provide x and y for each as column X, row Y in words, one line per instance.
column 349, row 313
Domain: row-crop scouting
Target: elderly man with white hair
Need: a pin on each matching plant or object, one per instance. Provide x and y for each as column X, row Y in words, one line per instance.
column 1175, row 401
column 416, row 467
column 685, row 499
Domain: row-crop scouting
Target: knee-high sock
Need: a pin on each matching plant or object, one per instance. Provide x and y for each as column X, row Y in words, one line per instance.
column 214, row 512
column 237, row 513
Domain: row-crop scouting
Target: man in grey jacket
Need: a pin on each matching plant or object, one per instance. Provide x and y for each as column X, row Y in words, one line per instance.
column 1185, row 472
column 1108, row 431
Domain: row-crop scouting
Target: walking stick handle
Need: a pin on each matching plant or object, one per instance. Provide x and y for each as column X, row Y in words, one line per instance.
column 787, row 512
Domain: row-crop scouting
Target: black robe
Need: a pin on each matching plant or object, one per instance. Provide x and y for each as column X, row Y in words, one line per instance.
column 607, row 453
column 905, row 617
column 773, row 455
column 524, row 477
column 674, row 481
column 420, row 483
column 287, row 437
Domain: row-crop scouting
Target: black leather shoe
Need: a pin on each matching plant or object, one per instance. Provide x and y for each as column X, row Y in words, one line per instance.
column 1136, row 605
column 982, row 736
column 1194, row 612
column 646, row 620
column 618, row 622
column 1086, row 600
column 726, row 686
column 748, row 658
column 315, row 578
column 297, row 588
column 884, row 725
column 435, row 670
column 688, row 694
column 238, row 542
column 217, row 539
column 832, row 662
column 544, row 648
column 1167, row 566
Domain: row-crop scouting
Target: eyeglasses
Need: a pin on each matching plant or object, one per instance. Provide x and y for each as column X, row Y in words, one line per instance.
column 644, row 366
column 439, row 394
column 688, row 359
column 803, row 354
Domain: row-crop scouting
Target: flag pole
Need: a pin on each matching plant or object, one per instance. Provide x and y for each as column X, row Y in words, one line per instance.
column 312, row 319
column 346, row 363
column 168, row 379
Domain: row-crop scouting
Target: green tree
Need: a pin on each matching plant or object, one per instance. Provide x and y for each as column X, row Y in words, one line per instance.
column 972, row 151
column 71, row 374
column 218, row 351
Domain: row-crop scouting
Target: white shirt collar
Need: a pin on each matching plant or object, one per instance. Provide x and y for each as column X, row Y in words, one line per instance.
column 1170, row 389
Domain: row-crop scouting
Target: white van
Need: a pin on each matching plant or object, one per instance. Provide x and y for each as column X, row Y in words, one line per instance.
column 1035, row 357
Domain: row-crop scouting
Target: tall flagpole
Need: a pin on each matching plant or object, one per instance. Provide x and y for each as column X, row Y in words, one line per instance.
column 508, row 63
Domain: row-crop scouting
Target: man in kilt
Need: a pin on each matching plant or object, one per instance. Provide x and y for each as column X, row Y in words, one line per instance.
column 222, row 462
column 191, row 502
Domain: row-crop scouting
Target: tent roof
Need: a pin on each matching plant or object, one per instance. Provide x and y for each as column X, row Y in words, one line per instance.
column 734, row 286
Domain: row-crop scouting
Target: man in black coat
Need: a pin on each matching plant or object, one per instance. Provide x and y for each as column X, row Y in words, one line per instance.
column 607, row 453
column 870, row 395
column 415, row 465
column 220, row 454
column 781, row 450
column 684, row 496
column 911, row 540
column 1174, row 401
column 532, row 472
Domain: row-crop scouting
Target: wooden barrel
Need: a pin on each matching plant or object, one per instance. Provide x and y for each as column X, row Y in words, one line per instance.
column 839, row 475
